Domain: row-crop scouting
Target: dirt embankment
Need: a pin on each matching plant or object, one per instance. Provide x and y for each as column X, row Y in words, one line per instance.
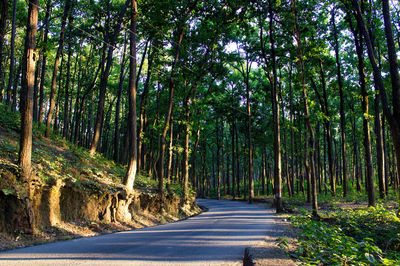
column 65, row 210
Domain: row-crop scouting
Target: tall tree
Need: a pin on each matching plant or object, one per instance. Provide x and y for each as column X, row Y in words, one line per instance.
column 12, row 57
column 67, row 7
column 342, row 114
column 104, row 79
column 132, row 161
column 3, row 23
column 310, row 129
column 28, row 80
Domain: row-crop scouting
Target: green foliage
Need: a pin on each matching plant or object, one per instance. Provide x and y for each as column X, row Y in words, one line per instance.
column 367, row 236
column 145, row 181
column 9, row 120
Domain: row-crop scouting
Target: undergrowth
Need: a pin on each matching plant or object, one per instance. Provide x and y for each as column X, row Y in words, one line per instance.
column 365, row 236
column 56, row 158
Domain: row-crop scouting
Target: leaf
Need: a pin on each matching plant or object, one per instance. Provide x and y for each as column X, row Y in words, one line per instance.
column 370, row 258
column 8, row 191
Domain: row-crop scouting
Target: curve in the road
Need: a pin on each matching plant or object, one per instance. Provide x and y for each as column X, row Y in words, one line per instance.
column 216, row 237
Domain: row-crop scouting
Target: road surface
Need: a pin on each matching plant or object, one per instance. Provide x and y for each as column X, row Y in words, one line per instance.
column 216, row 237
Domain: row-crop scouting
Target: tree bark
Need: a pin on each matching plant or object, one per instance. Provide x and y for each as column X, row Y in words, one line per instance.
column 160, row 167
column 3, row 23
column 365, row 108
column 276, row 118
column 44, row 61
column 12, row 57
column 28, row 81
column 118, row 105
column 132, row 161
column 143, row 104
column 55, row 68
column 67, row 90
column 104, row 80
column 342, row 114
column 307, row 116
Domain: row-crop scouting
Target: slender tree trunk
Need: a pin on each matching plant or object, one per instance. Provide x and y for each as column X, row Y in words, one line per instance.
column 328, row 132
column 104, row 80
column 3, row 24
column 12, row 57
column 233, row 159
column 15, row 87
column 379, row 148
column 342, row 114
column 55, row 68
column 186, row 150
column 67, row 91
column 143, row 104
column 286, row 167
column 237, row 162
column 307, row 117
column 83, row 101
column 26, row 107
column 394, row 75
column 365, row 108
column 131, row 171
column 249, row 140
column 276, row 118
column 170, row 155
column 218, row 159
column 44, row 62
column 118, row 105
column 160, row 168
column 393, row 119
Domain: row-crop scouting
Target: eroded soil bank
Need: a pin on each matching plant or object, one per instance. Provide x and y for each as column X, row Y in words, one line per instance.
column 65, row 210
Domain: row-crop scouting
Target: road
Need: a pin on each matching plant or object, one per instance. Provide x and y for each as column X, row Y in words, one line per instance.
column 216, row 237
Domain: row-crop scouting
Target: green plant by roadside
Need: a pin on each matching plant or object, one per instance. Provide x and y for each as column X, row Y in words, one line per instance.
column 365, row 236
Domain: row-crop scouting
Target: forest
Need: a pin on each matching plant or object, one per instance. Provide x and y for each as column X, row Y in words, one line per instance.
column 297, row 100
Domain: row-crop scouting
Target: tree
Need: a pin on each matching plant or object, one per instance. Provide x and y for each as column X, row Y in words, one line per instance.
column 67, row 7
column 3, row 21
column 132, row 162
column 104, row 78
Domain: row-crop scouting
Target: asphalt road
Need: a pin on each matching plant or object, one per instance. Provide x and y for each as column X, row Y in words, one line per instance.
column 216, row 237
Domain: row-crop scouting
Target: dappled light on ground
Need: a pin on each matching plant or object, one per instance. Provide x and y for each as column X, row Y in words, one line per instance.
column 218, row 236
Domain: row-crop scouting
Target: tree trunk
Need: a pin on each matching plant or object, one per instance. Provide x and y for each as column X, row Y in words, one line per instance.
column 160, row 167
column 66, row 95
column 307, row 116
column 186, row 150
column 379, row 148
column 104, row 80
column 170, row 155
column 276, row 119
column 55, row 68
column 342, row 114
column 394, row 75
column 28, row 80
column 233, row 159
column 3, row 24
column 365, row 108
column 131, row 171
column 328, row 132
column 15, row 86
column 143, row 104
column 118, row 105
column 12, row 57
column 44, row 61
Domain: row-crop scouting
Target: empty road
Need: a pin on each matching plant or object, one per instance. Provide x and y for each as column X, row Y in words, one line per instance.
column 216, row 237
